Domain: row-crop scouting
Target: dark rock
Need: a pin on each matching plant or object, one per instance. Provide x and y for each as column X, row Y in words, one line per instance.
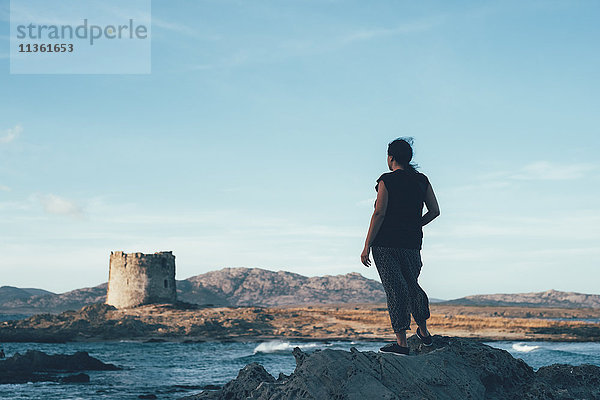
column 453, row 368
column 282, row 377
column 36, row 366
column 299, row 355
column 249, row 378
column 38, row 361
column 563, row 381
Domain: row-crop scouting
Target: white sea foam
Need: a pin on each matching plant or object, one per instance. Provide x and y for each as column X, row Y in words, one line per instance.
column 280, row 346
column 524, row 348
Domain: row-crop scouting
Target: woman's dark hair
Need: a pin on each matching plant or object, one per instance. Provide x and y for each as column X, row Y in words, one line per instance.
column 402, row 152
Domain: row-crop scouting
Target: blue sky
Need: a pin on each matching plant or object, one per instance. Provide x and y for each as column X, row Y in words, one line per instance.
column 257, row 139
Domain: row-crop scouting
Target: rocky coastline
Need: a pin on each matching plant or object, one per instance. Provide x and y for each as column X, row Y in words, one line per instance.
column 458, row 365
column 37, row 366
column 365, row 322
column 452, row 368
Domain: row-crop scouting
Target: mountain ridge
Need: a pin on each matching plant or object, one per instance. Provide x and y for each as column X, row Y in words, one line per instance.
column 241, row 286
column 231, row 286
column 548, row 298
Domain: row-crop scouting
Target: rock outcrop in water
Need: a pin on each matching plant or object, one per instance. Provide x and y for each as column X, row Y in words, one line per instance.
column 90, row 320
column 36, row 366
column 453, row 368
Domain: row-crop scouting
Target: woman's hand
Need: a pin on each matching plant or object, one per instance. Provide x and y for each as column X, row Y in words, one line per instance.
column 364, row 256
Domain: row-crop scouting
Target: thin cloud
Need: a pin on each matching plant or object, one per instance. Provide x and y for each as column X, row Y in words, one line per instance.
column 554, row 226
column 13, row 206
column 156, row 22
column 536, row 171
column 410, row 27
column 4, row 188
column 443, row 253
column 488, row 184
column 11, row 134
column 275, row 50
column 177, row 27
column 544, row 170
column 57, row 205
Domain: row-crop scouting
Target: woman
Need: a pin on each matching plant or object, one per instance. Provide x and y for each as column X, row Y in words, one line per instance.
column 396, row 235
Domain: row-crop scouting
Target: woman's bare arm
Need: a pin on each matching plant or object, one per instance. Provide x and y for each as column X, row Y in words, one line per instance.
column 433, row 209
column 376, row 221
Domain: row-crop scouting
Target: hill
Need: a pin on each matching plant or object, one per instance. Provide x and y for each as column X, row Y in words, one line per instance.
column 35, row 301
column 11, row 293
column 549, row 298
column 261, row 287
column 225, row 287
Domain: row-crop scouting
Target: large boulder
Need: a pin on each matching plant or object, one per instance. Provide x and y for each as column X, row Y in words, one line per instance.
column 452, row 368
column 37, row 366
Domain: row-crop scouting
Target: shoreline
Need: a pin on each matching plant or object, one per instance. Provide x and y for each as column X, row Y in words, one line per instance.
column 324, row 322
column 261, row 339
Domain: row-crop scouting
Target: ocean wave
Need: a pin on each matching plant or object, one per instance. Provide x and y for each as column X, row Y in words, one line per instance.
column 524, row 348
column 277, row 346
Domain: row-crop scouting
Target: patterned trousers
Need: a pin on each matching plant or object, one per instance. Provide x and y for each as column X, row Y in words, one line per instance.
column 399, row 270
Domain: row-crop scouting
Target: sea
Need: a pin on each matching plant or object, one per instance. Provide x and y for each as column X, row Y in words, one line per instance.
column 174, row 370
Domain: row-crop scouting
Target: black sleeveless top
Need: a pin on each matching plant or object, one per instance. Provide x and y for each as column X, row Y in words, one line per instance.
column 401, row 225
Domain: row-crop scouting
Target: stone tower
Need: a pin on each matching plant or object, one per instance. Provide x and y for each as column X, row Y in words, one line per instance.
column 135, row 279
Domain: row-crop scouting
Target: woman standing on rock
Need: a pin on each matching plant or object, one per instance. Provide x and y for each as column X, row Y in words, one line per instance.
column 396, row 235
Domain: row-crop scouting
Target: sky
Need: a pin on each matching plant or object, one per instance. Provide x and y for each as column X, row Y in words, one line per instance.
column 257, row 138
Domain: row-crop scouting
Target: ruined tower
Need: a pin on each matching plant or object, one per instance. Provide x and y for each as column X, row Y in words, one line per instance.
column 135, row 279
